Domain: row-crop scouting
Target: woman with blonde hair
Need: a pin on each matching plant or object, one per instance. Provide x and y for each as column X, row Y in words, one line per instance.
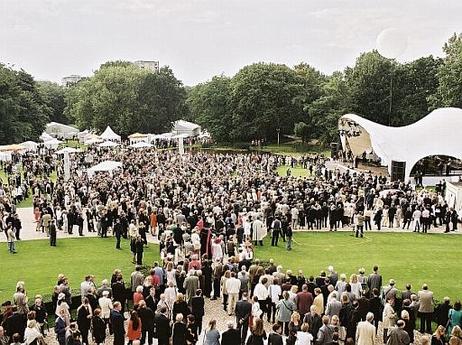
column 180, row 306
column 355, row 286
column 293, row 293
column 171, row 273
column 295, row 325
column 438, row 336
column 456, row 336
column 303, row 336
column 335, row 323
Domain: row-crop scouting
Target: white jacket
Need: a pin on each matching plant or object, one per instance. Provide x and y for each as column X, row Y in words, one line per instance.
column 105, row 305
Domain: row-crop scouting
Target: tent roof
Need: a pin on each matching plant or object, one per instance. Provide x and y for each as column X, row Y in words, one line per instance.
column 429, row 136
column 68, row 150
column 45, row 137
column 182, row 124
column 62, row 127
column 137, row 135
column 108, row 144
column 109, row 134
column 140, row 145
column 105, row 166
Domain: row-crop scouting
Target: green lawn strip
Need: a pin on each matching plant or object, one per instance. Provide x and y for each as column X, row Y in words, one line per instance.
column 38, row 264
column 407, row 258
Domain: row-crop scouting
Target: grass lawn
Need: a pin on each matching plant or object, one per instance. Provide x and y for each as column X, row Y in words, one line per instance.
column 38, row 264
column 297, row 171
column 294, row 149
column 407, row 258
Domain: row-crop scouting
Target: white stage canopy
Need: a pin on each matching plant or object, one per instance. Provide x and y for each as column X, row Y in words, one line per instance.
column 435, row 134
column 29, row 145
column 45, row 137
column 52, row 144
column 109, row 134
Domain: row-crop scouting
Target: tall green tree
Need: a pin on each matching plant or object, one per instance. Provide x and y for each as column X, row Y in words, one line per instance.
column 128, row 98
column 210, row 106
column 54, row 96
column 263, row 101
column 23, row 112
column 449, row 92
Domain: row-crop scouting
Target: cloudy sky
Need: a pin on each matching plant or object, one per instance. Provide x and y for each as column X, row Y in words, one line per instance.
column 201, row 38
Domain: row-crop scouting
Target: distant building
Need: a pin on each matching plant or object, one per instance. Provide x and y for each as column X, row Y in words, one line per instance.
column 71, row 79
column 150, row 65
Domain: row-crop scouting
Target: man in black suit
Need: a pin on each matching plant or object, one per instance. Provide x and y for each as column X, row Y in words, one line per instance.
column 118, row 232
column 16, row 323
column 162, row 326
column 275, row 337
column 117, row 322
column 147, row 322
column 243, row 311
column 232, row 336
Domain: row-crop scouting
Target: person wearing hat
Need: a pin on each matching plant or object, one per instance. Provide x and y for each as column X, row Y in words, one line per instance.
column 61, row 307
column 390, row 291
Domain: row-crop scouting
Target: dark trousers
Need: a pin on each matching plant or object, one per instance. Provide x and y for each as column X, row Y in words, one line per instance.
column 53, row 240
column 264, row 308
column 243, row 328
column 84, row 333
column 149, row 333
column 272, row 311
column 407, row 223
column 359, row 230
column 225, row 301
column 163, row 341
column 216, row 288
column 139, row 258
column 118, row 242
column 285, row 328
column 426, row 323
column 275, row 238
column 367, row 223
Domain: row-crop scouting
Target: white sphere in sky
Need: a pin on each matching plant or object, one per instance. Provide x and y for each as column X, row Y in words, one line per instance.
column 391, row 43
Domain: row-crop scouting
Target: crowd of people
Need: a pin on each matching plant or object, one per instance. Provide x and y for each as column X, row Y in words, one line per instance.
column 208, row 211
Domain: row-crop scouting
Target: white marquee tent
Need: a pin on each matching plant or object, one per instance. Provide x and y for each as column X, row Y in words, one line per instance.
column 52, row 144
column 108, row 144
column 61, row 131
column 68, row 150
column 140, row 145
column 109, row 134
column 45, row 137
column 105, row 166
column 435, row 134
column 29, row 146
column 186, row 127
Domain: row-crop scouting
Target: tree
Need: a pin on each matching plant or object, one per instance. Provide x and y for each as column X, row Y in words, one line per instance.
column 129, row 98
column 327, row 109
column 210, row 106
column 303, row 131
column 263, row 101
column 22, row 110
column 55, row 100
column 449, row 91
column 369, row 85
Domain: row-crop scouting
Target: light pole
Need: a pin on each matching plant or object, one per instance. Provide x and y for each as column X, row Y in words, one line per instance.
column 278, row 130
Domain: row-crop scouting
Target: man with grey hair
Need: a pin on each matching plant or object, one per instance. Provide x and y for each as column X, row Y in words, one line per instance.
column 398, row 335
column 231, row 336
column 365, row 331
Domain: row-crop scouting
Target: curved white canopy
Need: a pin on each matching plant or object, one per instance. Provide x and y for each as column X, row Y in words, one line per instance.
column 435, row 134
column 108, row 144
column 105, row 166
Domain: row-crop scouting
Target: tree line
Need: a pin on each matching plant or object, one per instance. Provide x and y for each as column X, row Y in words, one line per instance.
column 260, row 101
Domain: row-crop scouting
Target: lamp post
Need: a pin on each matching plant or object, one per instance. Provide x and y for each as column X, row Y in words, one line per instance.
column 278, row 130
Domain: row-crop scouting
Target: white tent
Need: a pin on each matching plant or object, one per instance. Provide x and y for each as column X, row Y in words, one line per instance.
column 105, row 166
column 140, row 145
column 109, row 134
column 108, row 144
column 435, row 134
column 68, row 150
column 45, row 137
column 29, row 145
column 59, row 130
column 186, row 127
column 52, row 144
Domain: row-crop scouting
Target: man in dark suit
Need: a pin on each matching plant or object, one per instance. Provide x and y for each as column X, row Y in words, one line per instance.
column 117, row 322
column 162, row 326
column 375, row 280
column 232, row 336
column 275, row 337
column 243, row 311
column 147, row 322
column 118, row 232
column 16, row 323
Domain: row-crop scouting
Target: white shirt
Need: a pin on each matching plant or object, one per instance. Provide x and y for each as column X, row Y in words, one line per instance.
column 233, row 285
column 261, row 292
column 304, row 338
column 275, row 291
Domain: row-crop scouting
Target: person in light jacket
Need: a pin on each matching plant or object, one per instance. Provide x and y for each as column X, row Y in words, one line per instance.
column 365, row 332
column 388, row 318
column 284, row 311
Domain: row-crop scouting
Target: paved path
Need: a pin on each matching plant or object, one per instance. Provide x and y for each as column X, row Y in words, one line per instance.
column 29, row 233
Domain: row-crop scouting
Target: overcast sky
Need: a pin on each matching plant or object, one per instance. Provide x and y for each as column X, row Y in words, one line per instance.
column 201, row 38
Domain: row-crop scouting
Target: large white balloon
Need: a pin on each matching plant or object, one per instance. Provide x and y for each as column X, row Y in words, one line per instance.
column 391, row 43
